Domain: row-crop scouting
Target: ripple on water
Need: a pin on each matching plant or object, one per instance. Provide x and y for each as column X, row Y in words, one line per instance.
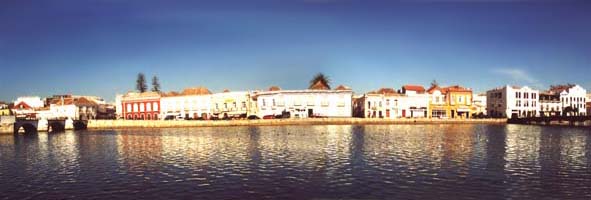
column 301, row 162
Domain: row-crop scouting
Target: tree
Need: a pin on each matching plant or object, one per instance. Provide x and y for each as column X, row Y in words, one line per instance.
column 434, row 83
column 140, row 83
column 155, row 84
column 320, row 77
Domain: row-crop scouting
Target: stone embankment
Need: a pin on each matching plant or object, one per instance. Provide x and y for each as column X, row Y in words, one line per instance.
column 113, row 124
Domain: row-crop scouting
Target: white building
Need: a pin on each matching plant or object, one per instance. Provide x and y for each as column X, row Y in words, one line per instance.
column 231, row 104
column 192, row 103
column 74, row 108
column 550, row 104
column 412, row 102
column 25, row 107
column 479, row 104
column 572, row 99
column 512, row 101
column 305, row 103
column 383, row 103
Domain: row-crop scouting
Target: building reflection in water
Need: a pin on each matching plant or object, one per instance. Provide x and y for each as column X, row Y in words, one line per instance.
column 381, row 161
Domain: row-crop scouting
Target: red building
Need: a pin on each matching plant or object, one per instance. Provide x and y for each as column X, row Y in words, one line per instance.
column 141, row 106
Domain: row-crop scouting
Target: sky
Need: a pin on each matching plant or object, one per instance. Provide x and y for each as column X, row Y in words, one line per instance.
column 98, row 47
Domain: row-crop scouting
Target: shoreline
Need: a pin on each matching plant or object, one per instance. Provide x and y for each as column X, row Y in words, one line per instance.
column 119, row 124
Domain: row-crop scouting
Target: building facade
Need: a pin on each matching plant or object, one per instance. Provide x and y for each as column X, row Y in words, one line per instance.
column 228, row 104
column 141, row 106
column 74, row 108
column 550, row 104
column 479, row 105
column 512, row 102
column 305, row 103
column 4, row 109
column 450, row 102
column 26, row 107
column 414, row 102
column 573, row 100
column 192, row 103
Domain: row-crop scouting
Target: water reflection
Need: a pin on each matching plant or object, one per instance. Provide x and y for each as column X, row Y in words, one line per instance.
column 300, row 162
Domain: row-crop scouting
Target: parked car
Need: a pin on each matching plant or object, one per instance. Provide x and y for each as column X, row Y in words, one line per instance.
column 269, row 117
column 253, row 117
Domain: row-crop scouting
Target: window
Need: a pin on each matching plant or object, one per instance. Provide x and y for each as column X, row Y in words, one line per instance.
column 142, row 107
column 387, row 102
column 149, row 107
column 235, row 106
column 264, row 103
column 380, row 104
column 273, row 102
column 310, row 100
column 243, row 104
column 155, row 107
column 135, row 107
column 129, row 108
column 518, row 103
column 460, row 99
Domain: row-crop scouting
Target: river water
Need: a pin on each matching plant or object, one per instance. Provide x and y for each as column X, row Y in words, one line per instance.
column 301, row 162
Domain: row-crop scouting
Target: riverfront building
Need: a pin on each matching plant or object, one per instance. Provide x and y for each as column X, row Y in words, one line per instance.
column 550, row 104
column 414, row 102
column 4, row 109
column 70, row 107
column 318, row 102
column 450, row 102
column 191, row 103
column 382, row 103
column 25, row 107
column 411, row 101
column 227, row 104
column 141, row 106
column 479, row 105
column 573, row 99
column 512, row 101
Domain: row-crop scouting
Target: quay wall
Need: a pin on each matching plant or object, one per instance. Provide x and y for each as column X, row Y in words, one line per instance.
column 112, row 124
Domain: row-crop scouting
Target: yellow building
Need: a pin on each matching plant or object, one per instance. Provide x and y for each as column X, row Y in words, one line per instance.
column 4, row 110
column 450, row 102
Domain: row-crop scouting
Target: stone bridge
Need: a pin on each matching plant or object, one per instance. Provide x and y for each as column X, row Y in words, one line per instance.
column 33, row 126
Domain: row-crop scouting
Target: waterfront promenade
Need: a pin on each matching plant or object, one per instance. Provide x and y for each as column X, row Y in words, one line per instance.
column 112, row 124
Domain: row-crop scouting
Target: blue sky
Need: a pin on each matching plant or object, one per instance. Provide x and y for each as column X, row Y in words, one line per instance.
column 98, row 47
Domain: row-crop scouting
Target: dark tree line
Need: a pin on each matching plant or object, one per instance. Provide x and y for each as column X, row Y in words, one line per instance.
column 141, row 85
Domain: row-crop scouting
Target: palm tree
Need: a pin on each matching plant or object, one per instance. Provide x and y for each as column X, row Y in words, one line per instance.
column 320, row 77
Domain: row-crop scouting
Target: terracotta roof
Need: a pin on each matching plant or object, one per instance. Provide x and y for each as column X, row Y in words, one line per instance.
column 226, row 90
column 143, row 94
column 559, row 88
column 75, row 101
column 319, row 86
column 433, row 88
column 342, row 87
column 274, row 88
column 25, row 105
column 456, row 88
column 196, row 91
column 416, row 88
column 385, row 91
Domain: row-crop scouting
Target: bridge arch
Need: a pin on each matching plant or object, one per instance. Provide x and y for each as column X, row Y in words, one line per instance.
column 80, row 124
column 28, row 128
column 56, row 126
